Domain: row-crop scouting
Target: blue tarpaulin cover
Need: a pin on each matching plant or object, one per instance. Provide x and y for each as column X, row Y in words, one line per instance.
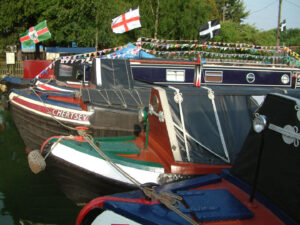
column 130, row 52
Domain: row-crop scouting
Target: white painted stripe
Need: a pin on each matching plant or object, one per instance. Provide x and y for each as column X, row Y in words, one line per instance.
column 109, row 217
column 85, row 83
column 51, row 86
column 98, row 72
column 102, row 167
column 169, row 123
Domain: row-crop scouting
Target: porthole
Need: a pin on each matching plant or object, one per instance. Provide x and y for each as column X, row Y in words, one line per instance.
column 155, row 103
column 285, row 79
column 250, row 77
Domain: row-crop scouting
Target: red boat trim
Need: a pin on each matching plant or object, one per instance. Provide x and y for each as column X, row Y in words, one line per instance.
column 76, row 138
column 98, row 203
column 46, row 110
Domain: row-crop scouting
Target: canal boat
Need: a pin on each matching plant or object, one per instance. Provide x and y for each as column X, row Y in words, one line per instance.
column 188, row 131
column 108, row 109
column 262, row 187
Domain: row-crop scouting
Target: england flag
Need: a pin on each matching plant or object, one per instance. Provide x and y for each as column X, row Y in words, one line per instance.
column 210, row 29
column 127, row 21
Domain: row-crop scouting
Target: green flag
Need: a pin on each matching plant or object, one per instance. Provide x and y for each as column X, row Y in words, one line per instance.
column 35, row 34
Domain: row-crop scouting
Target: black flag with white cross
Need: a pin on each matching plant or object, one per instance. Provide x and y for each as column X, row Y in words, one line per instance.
column 283, row 26
column 210, row 29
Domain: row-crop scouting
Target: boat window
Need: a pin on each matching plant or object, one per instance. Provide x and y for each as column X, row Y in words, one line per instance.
column 175, row 75
column 155, row 103
column 65, row 70
column 214, row 76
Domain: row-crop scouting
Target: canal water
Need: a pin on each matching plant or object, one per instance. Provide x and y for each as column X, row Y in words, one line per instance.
column 27, row 198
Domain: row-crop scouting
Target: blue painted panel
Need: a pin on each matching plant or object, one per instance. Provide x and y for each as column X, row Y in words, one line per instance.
column 207, row 205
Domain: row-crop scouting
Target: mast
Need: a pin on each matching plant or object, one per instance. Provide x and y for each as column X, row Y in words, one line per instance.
column 278, row 26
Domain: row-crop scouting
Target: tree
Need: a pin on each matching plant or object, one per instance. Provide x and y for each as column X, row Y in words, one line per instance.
column 233, row 10
column 291, row 38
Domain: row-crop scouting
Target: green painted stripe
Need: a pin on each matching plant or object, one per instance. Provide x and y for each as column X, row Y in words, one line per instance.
column 119, row 147
column 85, row 147
column 120, row 138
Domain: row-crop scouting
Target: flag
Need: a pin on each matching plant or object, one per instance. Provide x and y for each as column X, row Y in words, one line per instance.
column 35, row 34
column 210, row 29
column 283, row 26
column 127, row 21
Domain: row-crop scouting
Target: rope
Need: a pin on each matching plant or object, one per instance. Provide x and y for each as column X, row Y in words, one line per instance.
column 122, row 99
column 202, row 145
column 105, row 98
column 212, row 97
column 178, row 98
column 171, row 201
column 138, row 94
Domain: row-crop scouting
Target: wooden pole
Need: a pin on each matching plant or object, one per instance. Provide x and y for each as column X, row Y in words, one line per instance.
column 96, row 38
column 278, row 27
column 156, row 20
column 37, row 51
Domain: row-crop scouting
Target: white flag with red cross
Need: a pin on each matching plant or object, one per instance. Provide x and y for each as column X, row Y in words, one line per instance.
column 127, row 21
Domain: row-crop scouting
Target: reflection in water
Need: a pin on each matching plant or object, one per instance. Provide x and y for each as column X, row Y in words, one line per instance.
column 26, row 198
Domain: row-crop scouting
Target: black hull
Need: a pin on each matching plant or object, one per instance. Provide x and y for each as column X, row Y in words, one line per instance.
column 80, row 185
column 35, row 129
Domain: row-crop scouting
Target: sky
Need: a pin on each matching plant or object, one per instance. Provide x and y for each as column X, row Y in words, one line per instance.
column 264, row 13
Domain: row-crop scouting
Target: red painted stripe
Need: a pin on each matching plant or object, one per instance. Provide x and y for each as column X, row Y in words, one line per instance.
column 26, row 38
column 198, row 81
column 36, row 107
column 31, row 29
column 78, row 117
column 47, row 88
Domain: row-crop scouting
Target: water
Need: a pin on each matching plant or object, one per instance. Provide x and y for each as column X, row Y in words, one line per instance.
column 27, row 198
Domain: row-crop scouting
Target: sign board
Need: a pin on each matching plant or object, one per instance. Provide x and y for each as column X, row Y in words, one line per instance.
column 51, row 56
column 10, row 58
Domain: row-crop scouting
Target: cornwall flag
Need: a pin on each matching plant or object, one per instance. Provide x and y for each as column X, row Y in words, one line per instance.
column 210, row 29
column 283, row 26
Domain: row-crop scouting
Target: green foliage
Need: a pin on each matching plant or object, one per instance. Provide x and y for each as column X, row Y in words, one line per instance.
column 291, row 38
column 233, row 10
column 88, row 22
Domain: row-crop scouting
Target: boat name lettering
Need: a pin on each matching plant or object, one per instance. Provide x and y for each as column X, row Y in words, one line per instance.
column 69, row 115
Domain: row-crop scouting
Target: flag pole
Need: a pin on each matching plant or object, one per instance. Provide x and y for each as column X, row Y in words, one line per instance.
column 37, row 51
column 278, row 26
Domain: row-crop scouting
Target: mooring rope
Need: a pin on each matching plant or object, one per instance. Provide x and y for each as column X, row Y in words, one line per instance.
column 171, row 201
